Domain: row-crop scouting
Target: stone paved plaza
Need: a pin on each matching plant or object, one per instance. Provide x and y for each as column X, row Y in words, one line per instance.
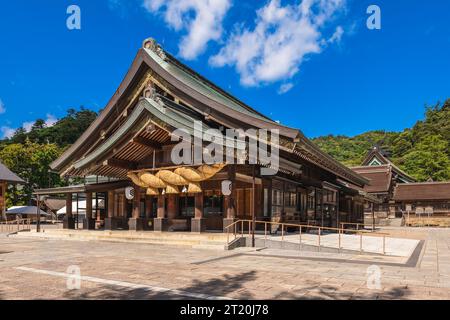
column 36, row 269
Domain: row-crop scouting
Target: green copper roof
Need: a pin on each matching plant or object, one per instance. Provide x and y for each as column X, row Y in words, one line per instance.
column 203, row 87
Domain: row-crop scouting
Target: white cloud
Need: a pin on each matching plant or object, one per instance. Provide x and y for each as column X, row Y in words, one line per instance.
column 337, row 35
column 51, row 120
column 202, row 19
column 27, row 126
column 284, row 88
column 7, row 132
column 2, row 107
column 281, row 39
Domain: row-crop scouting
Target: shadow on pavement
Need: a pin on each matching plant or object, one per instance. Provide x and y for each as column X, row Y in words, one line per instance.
column 220, row 286
column 334, row 293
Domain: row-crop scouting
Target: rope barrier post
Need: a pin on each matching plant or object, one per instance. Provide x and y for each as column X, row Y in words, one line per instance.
column 265, row 233
column 360, row 242
column 300, row 237
column 339, row 245
column 319, row 238
column 384, row 244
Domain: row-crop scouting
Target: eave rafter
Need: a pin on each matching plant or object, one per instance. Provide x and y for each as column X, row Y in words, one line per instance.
column 121, row 164
column 146, row 143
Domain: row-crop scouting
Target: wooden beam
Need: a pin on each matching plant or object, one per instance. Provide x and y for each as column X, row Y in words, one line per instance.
column 121, row 164
column 146, row 143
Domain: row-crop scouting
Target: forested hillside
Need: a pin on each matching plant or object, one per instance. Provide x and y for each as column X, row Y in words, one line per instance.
column 422, row 151
column 29, row 154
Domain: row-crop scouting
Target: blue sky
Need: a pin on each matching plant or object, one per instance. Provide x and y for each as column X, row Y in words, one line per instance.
column 320, row 70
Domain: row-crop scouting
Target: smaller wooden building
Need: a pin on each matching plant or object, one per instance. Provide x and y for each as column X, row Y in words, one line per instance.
column 435, row 195
column 384, row 176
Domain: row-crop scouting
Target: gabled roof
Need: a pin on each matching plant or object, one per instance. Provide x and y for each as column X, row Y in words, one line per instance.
column 376, row 157
column 55, row 204
column 9, row 176
column 422, row 191
column 380, row 177
column 207, row 100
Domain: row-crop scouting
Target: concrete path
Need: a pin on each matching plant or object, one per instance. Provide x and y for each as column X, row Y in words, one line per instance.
column 372, row 244
column 35, row 269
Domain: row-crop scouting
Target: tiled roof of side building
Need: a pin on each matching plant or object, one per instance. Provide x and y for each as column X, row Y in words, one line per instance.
column 9, row 176
column 422, row 191
column 380, row 177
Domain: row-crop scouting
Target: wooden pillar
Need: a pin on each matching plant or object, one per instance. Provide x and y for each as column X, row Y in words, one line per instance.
column 161, row 222
column 137, row 223
column 373, row 215
column 161, row 212
column 110, row 204
column 338, row 209
column 69, row 205
column 199, row 206
column 3, row 189
column 137, row 204
column 253, row 205
column 198, row 224
column 122, row 206
column 38, row 214
column 111, row 223
column 172, row 206
column 89, row 205
column 89, row 222
column 69, row 221
column 148, row 207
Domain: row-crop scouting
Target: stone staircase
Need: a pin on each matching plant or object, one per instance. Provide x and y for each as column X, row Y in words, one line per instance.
column 208, row 241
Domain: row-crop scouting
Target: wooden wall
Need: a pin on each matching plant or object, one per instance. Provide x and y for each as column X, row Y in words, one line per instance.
column 3, row 186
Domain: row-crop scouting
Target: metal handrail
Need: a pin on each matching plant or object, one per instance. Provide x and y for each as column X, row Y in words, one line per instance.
column 340, row 231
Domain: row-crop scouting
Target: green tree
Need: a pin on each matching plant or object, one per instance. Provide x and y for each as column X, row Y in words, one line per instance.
column 429, row 159
column 31, row 162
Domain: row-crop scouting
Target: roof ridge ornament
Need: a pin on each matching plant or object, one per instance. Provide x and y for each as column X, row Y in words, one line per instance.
column 152, row 45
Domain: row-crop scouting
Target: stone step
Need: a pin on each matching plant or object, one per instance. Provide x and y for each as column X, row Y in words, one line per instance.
column 196, row 241
column 145, row 234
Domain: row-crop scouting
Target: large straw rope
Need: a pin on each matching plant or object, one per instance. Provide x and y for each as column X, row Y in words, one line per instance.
column 168, row 180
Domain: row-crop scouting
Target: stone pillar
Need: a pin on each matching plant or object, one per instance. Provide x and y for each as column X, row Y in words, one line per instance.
column 69, row 220
column 198, row 223
column 161, row 222
column 89, row 222
column 230, row 201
